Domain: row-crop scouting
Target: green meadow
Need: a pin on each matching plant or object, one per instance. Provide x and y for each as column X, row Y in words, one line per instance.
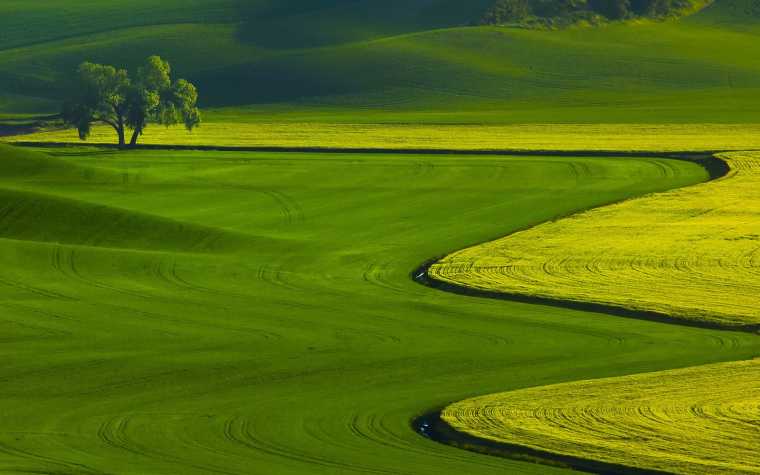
column 168, row 311
column 210, row 312
column 398, row 61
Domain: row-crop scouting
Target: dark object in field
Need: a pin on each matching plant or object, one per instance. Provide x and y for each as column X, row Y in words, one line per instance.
column 108, row 95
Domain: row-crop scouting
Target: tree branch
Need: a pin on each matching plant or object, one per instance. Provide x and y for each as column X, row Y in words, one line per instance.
column 107, row 121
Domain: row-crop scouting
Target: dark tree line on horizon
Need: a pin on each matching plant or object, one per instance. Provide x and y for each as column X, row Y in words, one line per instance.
column 511, row 11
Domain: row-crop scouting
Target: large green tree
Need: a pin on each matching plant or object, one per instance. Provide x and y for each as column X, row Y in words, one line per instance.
column 106, row 95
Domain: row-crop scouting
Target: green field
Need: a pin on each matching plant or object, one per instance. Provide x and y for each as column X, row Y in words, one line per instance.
column 410, row 61
column 167, row 311
column 696, row 245
column 209, row 312
column 462, row 137
column 688, row 254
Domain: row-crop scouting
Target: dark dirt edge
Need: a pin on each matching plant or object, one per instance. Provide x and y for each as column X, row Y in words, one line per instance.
column 704, row 157
column 716, row 168
column 421, row 276
column 432, row 426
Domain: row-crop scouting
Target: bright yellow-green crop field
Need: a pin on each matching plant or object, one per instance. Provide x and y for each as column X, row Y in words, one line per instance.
column 569, row 137
column 696, row 420
column 691, row 253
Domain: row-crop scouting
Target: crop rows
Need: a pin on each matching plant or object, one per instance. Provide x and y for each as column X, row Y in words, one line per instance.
column 692, row 253
column 697, row 420
column 570, row 137
column 187, row 312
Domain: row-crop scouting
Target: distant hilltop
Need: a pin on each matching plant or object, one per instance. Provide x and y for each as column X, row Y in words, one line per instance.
column 568, row 12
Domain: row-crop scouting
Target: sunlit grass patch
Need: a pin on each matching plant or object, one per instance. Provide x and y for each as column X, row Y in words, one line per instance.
column 578, row 137
column 696, row 420
column 693, row 253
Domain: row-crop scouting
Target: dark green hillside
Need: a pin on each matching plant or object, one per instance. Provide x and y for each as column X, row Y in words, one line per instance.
column 734, row 14
column 309, row 23
column 570, row 12
column 355, row 59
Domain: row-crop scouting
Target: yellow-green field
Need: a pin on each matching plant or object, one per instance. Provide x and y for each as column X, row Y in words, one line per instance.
column 697, row 420
column 692, row 253
column 570, row 137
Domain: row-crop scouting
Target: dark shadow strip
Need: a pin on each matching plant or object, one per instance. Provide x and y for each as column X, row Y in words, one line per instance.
column 421, row 276
column 702, row 155
column 716, row 168
column 432, row 426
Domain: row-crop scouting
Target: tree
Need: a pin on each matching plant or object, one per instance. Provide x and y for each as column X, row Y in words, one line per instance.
column 101, row 97
column 504, row 11
column 108, row 96
column 652, row 7
column 612, row 9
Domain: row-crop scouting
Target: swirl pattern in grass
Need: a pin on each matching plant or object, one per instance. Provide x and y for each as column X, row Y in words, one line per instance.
column 194, row 313
column 697, row 420
column 692, row 253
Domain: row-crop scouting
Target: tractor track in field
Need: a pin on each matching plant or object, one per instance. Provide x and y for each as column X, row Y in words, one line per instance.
column 431, row 424
column 120, row 430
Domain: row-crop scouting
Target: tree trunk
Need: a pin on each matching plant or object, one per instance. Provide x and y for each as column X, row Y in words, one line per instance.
column 120, row 128
column 135, row 136
column 120, row 131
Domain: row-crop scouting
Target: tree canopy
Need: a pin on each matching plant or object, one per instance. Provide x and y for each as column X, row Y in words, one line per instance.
column 510, row 11
column 104, row 94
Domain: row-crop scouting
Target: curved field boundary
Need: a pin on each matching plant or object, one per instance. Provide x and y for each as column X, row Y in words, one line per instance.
column 472, row 425
column 638, row 245
column 715, row 166
column 433, row 426
column 702, row 419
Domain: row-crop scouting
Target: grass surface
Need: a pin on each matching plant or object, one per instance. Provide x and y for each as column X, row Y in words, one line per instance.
column 235, row 312
column 379, row 60
column 569, row 137
column 267, row 322
column 695, row 420
column 696, row 246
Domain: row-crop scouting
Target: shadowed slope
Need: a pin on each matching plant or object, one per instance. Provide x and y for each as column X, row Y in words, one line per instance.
column 367, row 60
column 35, row 216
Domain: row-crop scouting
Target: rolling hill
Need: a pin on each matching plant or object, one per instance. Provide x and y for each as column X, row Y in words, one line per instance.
column 168, row 312
column 243, row 299
column 361, row 60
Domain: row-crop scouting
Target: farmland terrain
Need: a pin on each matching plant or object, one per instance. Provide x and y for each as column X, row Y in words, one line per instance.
column 348, row 62
column 693, row 420
column 697, row 246
column 186, row 312
column 240, row 299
